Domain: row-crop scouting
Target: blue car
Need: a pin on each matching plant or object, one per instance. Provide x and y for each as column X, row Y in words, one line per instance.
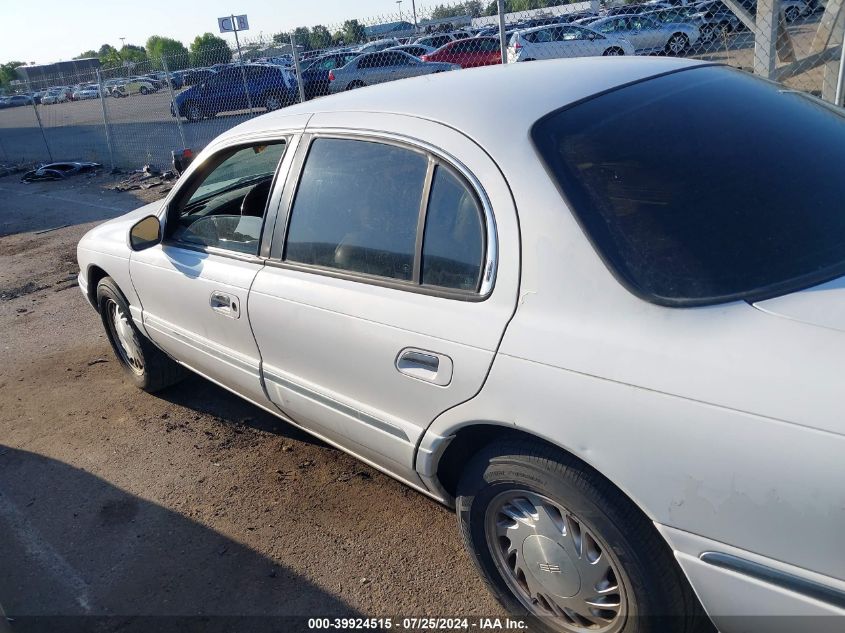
column 234, row 88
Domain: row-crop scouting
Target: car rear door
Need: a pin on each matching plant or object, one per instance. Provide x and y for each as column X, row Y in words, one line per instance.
column 368, row 332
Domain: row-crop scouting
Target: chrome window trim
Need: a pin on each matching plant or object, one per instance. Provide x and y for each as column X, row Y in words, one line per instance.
column 488, row 274
column 291, row 141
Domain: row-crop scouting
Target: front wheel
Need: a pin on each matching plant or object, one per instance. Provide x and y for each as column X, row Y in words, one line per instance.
column 558, row 543
column 147, row 366
column 355, row 84
column 613, row 51
column 143, row 90
column 272, row 102
column 193, row 112
column 677, row 44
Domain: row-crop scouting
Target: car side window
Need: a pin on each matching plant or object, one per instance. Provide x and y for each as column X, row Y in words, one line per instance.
column 369, row 61
column 453, row 242
column 224, row 206
column 541, row 37
column 345, row 217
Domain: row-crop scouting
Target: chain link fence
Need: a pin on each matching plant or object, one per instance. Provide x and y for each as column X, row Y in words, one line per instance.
column 136, row 114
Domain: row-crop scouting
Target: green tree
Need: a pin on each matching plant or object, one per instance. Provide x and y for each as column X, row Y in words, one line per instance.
column 7, row 73
column 86, row 54
column 302, row 37
column 320, row 37
column 208, row 49
column 174, row 52
column 109, row 55
column 353, row 32
column 281, row 38
column 133, row 53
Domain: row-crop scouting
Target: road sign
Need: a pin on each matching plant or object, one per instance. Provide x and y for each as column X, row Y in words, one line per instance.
column 232, row 23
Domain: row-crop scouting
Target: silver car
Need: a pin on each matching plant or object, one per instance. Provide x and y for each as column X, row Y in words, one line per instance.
column 620, row 363
column 376, row 68
column 647, row 34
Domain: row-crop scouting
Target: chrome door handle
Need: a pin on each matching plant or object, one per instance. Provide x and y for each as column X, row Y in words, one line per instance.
column 424, row 365
column 225, row 304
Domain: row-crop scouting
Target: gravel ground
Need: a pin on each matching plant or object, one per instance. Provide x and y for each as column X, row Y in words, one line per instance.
column 120, row 504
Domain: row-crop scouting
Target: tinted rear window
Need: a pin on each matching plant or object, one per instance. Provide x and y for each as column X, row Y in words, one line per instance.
column 705, row 186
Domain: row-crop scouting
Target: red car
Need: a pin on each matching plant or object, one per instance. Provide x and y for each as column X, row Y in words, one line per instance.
column 468, row 53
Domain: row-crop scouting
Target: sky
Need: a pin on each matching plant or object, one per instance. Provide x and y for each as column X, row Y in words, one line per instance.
column 45, row 31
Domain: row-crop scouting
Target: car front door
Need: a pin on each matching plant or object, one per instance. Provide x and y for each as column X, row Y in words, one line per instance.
column 193, row 285
column 384, row 299
column 226, row 91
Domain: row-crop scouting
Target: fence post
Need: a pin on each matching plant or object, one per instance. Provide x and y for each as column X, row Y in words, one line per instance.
column 503, row 38
column 173, row 108
column 840, row 80
column 38, row 118
column 297, row 69
column 765, row 37
column 102, row 92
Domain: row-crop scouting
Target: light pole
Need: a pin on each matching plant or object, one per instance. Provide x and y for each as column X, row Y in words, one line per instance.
column 399, row 2
column 414, row 10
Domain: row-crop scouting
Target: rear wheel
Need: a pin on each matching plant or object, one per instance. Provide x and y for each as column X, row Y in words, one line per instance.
column 677, row 44
column 613, row 51
column 355, row 84
column 558, row 543
column 143, row 90
column 147, row 366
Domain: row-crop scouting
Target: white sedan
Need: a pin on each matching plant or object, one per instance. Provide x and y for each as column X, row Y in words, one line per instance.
column 88, row 92
column 617, row 355
column 564, row 40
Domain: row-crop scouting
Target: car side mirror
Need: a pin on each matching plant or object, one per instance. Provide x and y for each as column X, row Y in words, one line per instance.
column 145, row 233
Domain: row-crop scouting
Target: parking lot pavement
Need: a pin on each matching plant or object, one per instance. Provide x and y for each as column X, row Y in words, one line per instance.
column 117, row 503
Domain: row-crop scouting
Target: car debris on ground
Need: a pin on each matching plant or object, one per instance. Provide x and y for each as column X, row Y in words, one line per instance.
column 146, row 178
column 60, row 171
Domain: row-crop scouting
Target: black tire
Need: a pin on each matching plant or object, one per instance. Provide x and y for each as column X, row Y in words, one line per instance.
column 193, row 112
column 792, row 14
column 355, row 84
column 530, row 59
column 654, row 590
column 613, row 51
column 681, row 46
column 143, row 90
column 154, row 370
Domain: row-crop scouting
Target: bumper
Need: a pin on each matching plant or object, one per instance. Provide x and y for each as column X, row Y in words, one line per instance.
column 83, row 288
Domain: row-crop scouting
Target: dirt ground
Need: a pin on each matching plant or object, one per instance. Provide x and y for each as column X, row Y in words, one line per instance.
column 121, row 507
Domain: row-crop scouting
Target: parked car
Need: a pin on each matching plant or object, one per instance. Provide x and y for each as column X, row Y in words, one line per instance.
column 417, row 50
column 713, row 19
column 468, row 53
column 197, row 76
column 625, row 443
column 374, row 68
column 634, row 9
column 315, row 76
column 377, row 45
column 647, row 34
column 54, row 96
column 14, row 101
column 234, row 88
column 87, row 92
column 131, row 87
column 568, row 40
column 435, row 40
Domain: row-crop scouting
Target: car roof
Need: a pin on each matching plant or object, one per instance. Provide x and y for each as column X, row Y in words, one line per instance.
column 522, row 94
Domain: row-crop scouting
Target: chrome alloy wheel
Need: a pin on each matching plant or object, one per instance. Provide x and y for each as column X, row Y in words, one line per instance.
column 677, row 44
column 124, row 335
column 556, row 566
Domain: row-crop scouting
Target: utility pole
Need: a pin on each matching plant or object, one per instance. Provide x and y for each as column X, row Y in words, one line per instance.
column 414, row 9
column 399, row 2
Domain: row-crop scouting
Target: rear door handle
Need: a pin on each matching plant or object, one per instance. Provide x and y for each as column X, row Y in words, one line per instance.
column 424, row 365
column 225, row 304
